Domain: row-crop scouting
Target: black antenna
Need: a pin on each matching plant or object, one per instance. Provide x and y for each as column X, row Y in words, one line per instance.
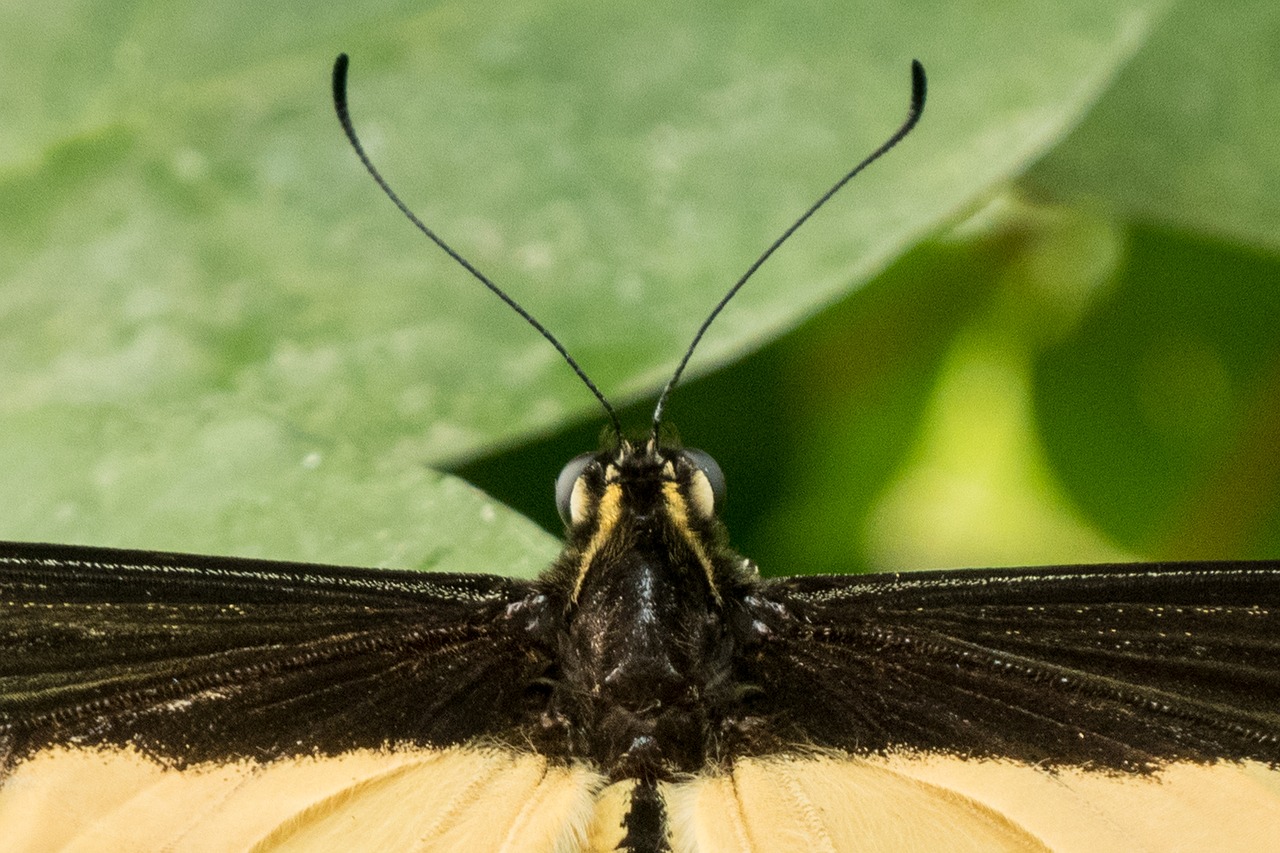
column 344, row 117
column 918, row 87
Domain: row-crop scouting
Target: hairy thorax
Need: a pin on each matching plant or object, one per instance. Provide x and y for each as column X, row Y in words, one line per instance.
column 644, row 685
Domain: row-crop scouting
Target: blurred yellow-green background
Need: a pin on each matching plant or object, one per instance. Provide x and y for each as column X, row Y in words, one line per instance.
column 1042, row 330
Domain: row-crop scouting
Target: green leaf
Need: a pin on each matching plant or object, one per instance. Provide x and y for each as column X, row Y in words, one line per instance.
column 1187, row 134
column 197, row 277
column 216, row 482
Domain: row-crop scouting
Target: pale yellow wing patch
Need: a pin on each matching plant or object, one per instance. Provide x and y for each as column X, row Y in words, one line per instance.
column 422, row 800
column 935, row 804
column 1185, row 807
column 612, row 805
column 495, row 800
column 831, row 805
column 73, row 800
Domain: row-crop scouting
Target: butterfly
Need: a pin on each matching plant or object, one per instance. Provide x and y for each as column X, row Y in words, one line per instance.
column 648, row 692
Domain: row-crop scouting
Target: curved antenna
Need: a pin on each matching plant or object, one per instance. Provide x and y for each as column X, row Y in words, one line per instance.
column 344, row 117
column 918, row 88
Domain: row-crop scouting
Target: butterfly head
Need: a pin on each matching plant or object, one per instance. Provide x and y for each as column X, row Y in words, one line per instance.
column 684, row 476
column 642, row 499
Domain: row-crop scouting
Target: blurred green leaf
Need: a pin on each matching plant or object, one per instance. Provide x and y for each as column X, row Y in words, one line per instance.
column 1161, row 410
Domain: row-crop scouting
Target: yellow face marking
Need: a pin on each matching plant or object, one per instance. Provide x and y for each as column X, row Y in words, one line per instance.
column 678, row 511
column 607, row 514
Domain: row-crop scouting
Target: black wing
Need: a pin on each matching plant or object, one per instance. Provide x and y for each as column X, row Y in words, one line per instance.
column 1122, row 666
column 196, row 659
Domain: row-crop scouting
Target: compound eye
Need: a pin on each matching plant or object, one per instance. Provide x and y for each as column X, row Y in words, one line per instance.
column 708, row 491
column 570, row 498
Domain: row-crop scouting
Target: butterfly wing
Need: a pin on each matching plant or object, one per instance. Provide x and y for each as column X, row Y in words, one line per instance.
column 1124, row 667
column 965, row 706
column 925, row 803
column 1066, row 709
column 158, row 701
column 197, row 659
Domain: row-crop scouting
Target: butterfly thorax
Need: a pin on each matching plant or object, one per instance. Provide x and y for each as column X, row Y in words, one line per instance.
column 646, row 660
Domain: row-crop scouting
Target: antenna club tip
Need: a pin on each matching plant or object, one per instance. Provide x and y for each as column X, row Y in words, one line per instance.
column 919, row 85
column 340, row 75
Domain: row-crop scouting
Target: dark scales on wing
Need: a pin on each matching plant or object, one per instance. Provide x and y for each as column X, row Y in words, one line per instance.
column 195, row 659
